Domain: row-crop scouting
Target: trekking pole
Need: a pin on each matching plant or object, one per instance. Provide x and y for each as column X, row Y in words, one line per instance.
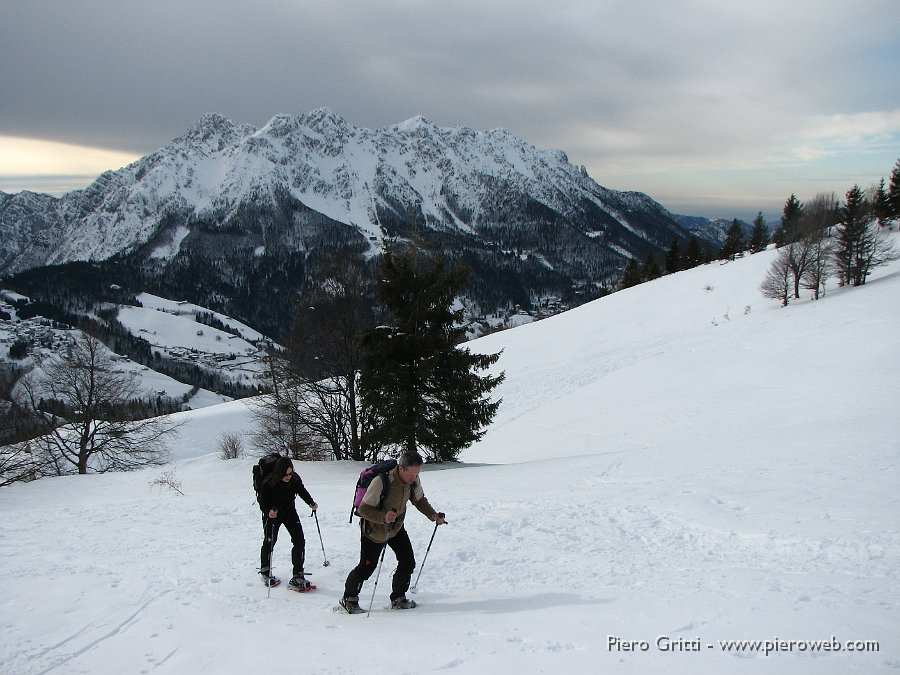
column 271, row 547
column 372, row 599
column 414, row 588
column 380, row 561
column 326, row 563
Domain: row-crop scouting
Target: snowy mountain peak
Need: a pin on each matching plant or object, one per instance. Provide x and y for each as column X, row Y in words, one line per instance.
column 214, row 129
column 315, row 182
column 213, row 119
column 325, row 121
column 350, row 175
column 414, row 124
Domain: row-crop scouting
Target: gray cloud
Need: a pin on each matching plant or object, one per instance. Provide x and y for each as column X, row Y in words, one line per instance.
column 621, row 86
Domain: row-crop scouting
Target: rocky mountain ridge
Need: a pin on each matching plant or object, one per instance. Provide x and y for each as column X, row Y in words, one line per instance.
column 226, row 208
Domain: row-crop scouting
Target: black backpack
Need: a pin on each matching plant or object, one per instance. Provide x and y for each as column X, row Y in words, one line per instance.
column 261, row 471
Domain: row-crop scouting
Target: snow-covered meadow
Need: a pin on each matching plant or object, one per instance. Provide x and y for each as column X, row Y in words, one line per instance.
column 675, row 466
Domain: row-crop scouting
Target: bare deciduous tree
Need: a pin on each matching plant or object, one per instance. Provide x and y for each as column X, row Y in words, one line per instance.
column 16, row 427
column 819, row 215
column 313, row 410
column 17, row 463
column 79, row 399
column 798, row 258
column 168, row 480
column 325, row 350
column 282, row 418
column 820, row 266
column 231, row 446
column 777, row 284
column 875, row 249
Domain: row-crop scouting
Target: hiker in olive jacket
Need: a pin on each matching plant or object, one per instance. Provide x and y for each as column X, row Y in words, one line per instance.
column 383, row 526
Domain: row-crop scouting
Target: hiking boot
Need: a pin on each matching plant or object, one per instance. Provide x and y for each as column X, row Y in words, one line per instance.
column 403, row 603
column 299, row 583
column 351, row 605
column 269, row 580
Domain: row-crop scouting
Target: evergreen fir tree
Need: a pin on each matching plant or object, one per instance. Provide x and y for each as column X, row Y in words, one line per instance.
column 632, row 275
column 651, row 269
column 734, row 241
column 881, row 208
column 894, row 192
column 790, row 221
column 759, row 236
column 693, row 255
column 673, row 258
column 420, row 391
column 851, row 233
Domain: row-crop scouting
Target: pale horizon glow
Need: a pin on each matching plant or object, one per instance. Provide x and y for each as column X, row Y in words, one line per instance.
column 33, row 164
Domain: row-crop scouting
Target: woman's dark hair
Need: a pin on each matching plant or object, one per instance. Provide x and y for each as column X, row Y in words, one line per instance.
column 282, row 464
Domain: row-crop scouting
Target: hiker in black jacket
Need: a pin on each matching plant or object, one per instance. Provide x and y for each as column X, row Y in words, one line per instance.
column 276, row 500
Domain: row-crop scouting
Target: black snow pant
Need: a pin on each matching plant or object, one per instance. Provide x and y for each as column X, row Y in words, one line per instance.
column 370, row 552
column 291, row 522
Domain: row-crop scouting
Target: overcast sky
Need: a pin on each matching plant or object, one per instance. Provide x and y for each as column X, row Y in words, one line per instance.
column 712, row 107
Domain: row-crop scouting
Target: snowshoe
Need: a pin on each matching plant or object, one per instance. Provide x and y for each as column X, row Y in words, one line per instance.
column 403, row 603
column 269, row 580
column 300, row 584
column 351, row 606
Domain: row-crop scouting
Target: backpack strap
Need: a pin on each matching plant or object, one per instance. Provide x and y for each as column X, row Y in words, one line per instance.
column 385, row 487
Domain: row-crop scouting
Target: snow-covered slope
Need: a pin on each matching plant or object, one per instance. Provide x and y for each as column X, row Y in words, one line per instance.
column 230, row 355
column 674, row 467
column 172, row 328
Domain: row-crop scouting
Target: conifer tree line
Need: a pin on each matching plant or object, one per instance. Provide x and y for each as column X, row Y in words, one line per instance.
column 816, row 241
column 694, row 255
column 362, row 380
column 827, row 238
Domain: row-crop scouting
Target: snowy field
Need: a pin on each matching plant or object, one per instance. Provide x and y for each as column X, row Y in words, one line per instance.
column 172, row 329
column 674, row 467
